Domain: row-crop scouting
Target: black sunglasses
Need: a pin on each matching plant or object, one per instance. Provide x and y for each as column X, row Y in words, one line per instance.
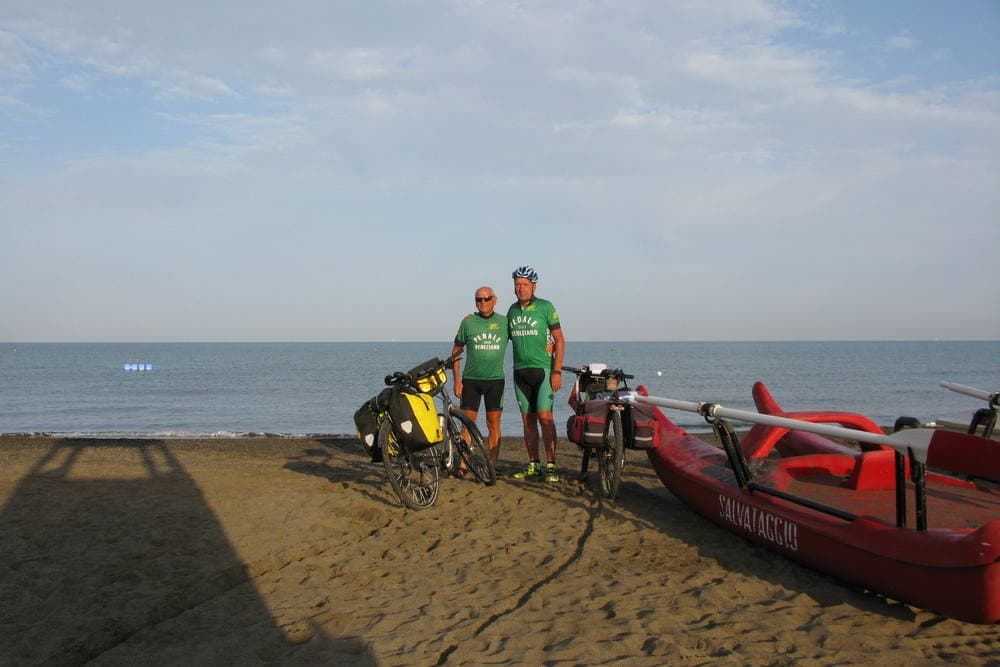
column 482, row 299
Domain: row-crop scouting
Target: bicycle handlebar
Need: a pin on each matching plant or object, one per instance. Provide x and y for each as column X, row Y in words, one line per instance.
column 607, row 372
column 396, row 378
column 399, row 377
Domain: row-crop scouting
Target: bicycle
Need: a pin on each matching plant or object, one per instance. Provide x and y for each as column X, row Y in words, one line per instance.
column 415, row 474
column 602, row 424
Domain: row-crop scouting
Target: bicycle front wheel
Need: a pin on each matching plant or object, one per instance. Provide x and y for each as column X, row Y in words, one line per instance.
column 611, row 458
column 414, row 476
column 474, row 452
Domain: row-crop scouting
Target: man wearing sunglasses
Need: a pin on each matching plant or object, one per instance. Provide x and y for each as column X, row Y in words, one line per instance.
column 484, row 336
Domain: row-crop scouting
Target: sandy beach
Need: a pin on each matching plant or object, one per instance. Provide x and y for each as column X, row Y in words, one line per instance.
column 296, row 551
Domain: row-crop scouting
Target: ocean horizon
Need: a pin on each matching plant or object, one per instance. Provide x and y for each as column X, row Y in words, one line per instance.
column 231, row 389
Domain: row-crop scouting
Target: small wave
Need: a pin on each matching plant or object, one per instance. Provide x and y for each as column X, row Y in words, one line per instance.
column 169, row 435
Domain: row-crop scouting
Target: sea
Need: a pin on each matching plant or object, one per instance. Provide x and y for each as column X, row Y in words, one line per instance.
column 194, row 390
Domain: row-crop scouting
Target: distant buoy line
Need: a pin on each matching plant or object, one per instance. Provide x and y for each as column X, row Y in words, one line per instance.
column 131, row 367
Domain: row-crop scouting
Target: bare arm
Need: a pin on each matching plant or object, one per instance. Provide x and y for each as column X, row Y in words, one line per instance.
column 560, row 348
column 455, row 370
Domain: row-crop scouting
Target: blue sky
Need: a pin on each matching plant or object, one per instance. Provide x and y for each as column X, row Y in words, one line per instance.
column 729, row 170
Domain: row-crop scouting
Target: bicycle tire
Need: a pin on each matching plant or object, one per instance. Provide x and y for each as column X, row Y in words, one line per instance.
column 474, row 453
column 611, row 457
column 414, row 476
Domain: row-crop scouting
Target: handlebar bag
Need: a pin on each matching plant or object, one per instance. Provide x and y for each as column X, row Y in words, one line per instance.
column 428, row 376
column 590, row 383
column 415, row 419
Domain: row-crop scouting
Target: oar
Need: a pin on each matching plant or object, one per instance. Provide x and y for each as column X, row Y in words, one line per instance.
column 958, row 452
column 993, row 398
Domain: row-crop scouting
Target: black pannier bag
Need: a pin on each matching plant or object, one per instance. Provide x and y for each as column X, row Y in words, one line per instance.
column 645, row 427
column 366, row 422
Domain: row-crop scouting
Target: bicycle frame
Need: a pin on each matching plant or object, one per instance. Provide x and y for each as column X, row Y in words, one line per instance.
column 448, row 460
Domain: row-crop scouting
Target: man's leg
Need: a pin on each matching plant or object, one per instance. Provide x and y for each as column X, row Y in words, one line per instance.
column 548, row 424
column 526, row 389
column 493, row 438
column 546, row 396
column 471, row 414
column 530, row 421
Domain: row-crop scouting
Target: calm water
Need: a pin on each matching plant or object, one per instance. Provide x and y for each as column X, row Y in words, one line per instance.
column 314, row 388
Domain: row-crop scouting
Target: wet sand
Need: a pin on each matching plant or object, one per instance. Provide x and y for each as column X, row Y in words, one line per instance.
column 296, row 551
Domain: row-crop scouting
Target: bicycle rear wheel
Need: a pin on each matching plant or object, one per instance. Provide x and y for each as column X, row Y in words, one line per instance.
column 611, row 457
column 414, row 476
column 474, row 453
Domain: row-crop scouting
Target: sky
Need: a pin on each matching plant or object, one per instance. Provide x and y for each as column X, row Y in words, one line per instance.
column 352, row 171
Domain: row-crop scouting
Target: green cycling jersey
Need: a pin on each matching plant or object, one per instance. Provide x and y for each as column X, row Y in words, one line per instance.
column 485, row 340
column 529, row 332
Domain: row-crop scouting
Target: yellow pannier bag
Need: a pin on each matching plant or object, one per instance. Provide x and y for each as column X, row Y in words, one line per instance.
column 415, row 419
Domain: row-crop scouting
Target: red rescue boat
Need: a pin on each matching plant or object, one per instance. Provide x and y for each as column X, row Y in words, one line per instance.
column 846, row 511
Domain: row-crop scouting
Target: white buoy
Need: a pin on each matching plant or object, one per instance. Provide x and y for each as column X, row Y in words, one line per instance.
column 132, row 366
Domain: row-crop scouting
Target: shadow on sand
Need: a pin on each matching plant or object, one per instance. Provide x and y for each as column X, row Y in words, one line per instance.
column 110, row 552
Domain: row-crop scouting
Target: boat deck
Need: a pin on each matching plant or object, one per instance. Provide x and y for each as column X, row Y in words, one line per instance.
column 952, row 503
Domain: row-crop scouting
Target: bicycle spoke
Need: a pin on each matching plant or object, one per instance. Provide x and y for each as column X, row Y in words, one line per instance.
column 414, row 481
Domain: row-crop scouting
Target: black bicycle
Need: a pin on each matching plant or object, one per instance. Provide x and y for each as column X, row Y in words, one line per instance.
column 415, row 473
column 602, row 424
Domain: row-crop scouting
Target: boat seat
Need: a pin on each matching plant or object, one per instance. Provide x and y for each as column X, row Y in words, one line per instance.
column 761, row 440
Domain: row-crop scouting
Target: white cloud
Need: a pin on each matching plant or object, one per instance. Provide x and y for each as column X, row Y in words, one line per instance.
column 836, row 28
column 917, row 108
column 12, row 103
column 756, row 69
column 188, row 85
column 77, row 82
column 14, row 56
column 615, row 86
column 901, row 42
column 364, row 64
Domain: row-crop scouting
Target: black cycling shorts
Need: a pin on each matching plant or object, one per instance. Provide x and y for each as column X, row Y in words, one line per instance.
column 491, row 391
column 533, row 390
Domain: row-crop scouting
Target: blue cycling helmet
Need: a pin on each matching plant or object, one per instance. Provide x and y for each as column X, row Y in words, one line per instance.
column 525, row 272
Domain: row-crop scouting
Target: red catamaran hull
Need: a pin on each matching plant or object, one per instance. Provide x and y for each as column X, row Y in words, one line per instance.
column 953, row 571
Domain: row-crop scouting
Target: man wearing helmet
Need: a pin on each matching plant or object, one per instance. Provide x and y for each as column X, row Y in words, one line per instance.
column 537, row 375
